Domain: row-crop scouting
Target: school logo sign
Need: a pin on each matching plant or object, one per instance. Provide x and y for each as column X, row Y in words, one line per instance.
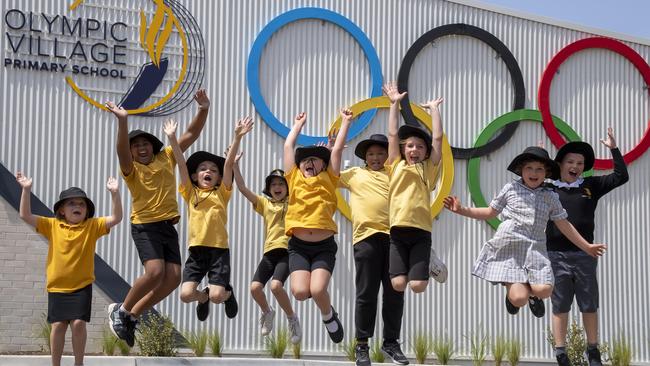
column 150, row 54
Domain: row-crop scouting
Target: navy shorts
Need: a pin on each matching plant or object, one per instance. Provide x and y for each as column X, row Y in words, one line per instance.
column 215, row 262
column 575, row 275
column 156, row 240
column 66, row 306
column 308, row 256
column 274, row 264
column 410, row 250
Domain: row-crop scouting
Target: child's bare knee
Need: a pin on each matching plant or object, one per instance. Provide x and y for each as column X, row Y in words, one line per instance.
column 301, row 294
column 277, row 287
column 542, row 291
column 418, row 286
column 399, row 283
column 218, row 295
column 256, row 287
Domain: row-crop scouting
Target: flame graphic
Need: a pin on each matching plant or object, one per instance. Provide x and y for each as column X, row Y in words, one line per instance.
column 148, row 41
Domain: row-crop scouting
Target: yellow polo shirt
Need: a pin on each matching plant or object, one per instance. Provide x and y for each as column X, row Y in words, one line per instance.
column 312, row 201
column 410, row 193
column 368, row 200
column 152, row 188
column 71, row 253
column 208, row 211
column 273, row 213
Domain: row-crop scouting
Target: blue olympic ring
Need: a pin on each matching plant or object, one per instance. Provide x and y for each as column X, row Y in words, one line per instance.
column 252, row 69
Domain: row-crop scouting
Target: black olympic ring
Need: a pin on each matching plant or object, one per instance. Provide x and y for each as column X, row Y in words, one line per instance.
column 502, row 51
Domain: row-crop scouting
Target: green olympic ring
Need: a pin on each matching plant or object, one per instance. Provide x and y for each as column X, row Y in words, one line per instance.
column 473, row 166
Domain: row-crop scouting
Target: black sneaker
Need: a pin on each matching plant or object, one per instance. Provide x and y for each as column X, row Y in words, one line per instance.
column 361, row 355
column 130, row 331
column 336, row 336
column 536, row 306
column 203, row 309
column 594, row 357
column 563, row 359
column 231, row 303
column 393, row 351
column 119, row 324
column 510, row 307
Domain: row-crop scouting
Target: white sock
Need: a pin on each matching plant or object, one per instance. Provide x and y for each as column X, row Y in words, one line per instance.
column 122, row 309
column 331, row 326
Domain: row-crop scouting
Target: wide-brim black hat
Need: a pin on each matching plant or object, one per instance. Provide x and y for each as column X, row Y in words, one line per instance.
column 535, row 153
column 406, row 131
column 157, row 144
column 74, row 192
column 577, row 147
column 316, row 151
column 198, row 157
column 277, row 173
column 376, row 139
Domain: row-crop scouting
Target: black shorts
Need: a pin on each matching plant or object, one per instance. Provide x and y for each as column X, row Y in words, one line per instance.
column 66, row 306
column 215, row 262
column 575, row 275
column 274, row 263
column 308, row 256
column 156, row 240
column 410, row 250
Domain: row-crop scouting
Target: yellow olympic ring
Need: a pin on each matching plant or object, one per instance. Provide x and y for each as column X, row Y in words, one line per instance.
column 446, row 176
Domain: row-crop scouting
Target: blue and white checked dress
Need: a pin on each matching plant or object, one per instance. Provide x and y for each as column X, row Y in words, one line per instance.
column 517, row 252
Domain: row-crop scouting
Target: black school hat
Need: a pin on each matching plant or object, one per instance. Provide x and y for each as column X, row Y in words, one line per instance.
column 577, row 147
column 406, row 131
column 376, row 139
column 535, row 153
column 316, row 151
column 276, row 173
column 74, row 192
column 157, row 144
column 198, row 157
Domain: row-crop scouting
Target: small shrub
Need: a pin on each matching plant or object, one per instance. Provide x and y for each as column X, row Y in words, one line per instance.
column 125, row 350
column 44, row 331
column 576, row 344
column 443, row 348
column 621, row 352
column 277, row 344
column 514, row 352
column 197, row 342
column 499, row 348
column 214, row 340
column 376, row 355
column 421, row 346
column 349, row 348
column 157, row 337
column 478, row 348
column 109, row 342
column 296, row 351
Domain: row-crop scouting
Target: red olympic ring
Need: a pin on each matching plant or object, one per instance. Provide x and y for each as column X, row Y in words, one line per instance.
column 545, row 86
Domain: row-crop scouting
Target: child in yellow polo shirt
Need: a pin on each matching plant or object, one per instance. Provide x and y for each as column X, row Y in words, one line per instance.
column 275, row 261
column 414, row 156
column 312, row 175
column 206, row 187
column 148, row 171
column 72, row 236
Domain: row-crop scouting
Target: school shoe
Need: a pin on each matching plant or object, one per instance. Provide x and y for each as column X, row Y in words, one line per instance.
column 266, row 322
column 336, row 336
column 295, row 332
column 563, row 359
column 121, row 324
column 510, row 307
column 392, row 350
column 437, row 268
column 361, row 356
column 231, row 303
column 593, row 355
column 203, row 309
column 536, row 306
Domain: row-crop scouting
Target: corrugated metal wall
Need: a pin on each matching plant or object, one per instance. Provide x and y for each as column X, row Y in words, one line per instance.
column 314, row 66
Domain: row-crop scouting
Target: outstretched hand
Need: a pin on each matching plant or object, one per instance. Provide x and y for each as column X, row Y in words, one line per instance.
column 610, row 142
column 111, row 184
column 452, row 203
column 202, row 99
column 300, row 119
column 391, row 91
column 433, row 103
column 170, row 127
column 243, row 126
column 119, row 112
column 24, row 181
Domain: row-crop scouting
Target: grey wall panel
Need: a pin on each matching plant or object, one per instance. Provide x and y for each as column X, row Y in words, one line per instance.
column 317, row 67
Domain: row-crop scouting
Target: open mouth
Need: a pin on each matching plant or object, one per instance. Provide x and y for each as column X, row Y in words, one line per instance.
column 310, row 170
column 207, row 178
column 573, row 174
column 76, row 212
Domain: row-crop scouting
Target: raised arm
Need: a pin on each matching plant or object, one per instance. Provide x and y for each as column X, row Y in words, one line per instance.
column 619, row 176
column 339, row 143
column 123, row 147
column 566, row 228
column 241, row 184
column 116, row 201
column 390, row 89
column 170, row 127
column 243, row 126
column 25, row 209
column 452, row 203
column 290, row 142
column 436, row 129
column 196, row 126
